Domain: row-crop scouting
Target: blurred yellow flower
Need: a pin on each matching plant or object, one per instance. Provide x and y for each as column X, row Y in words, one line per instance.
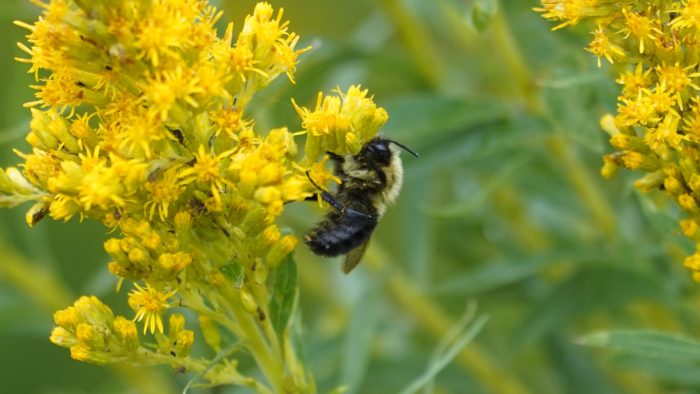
column 656, row 128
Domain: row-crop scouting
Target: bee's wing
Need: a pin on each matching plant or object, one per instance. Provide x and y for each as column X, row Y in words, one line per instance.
column 353, row 257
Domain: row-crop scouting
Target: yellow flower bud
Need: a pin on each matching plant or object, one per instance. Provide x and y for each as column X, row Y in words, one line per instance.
column 280, row 250
column 62, row 337
column 126, row 331
column 688, row 203
column 185, row 339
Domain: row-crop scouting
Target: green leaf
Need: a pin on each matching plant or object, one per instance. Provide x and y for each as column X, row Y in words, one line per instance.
column 446, row 358
column 234, row 272
column 492, row 275
column 482, row 13
column 284, row 291
column 361, row 332
column 477, row 201
column 652, row 344
column 598, row 288
column 666, row 370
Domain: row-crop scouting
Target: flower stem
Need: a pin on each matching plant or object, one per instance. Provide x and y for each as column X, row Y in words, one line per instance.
column 270, row 362
column 417, row 41
column 437, row 322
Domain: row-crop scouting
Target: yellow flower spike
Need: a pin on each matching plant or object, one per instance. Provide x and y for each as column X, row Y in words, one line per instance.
column 139, row 122
column 149, row 304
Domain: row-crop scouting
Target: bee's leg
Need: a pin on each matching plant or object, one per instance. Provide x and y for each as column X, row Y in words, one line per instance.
column 327, row 197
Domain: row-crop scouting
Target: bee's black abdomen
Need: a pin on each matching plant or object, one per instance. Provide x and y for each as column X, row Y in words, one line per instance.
column 339, row 234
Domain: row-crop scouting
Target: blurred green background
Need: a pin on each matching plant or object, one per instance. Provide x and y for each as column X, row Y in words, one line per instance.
column 504, row 208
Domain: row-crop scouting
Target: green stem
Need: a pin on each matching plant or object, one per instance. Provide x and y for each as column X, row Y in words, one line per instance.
column 437, row 322
column 515, row 63
column 584, row 184
column 261, row 296
column 417, row 41
column 271, row 364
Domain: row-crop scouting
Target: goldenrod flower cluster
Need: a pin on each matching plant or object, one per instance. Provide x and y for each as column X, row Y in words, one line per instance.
column 140, row 122
column 656, row 44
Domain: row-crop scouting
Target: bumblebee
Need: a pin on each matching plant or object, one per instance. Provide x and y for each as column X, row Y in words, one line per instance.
column 370, row 181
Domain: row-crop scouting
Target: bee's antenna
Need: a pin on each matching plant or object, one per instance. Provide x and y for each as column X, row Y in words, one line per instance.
column 404, row 147
column 308, row 175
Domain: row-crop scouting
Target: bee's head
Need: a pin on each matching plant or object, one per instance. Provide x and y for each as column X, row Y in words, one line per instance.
column 378, row 150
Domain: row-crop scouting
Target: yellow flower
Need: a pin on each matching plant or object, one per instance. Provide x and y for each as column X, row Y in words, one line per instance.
column 688, row 15
column 602, row 47
column 640, row 27
column 150, row 305
column 164, row 188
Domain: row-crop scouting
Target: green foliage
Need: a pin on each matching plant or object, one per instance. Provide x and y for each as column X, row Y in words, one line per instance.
column 284, row 288
column 504, row 206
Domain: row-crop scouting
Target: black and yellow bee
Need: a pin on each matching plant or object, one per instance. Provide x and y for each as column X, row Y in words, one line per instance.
column 370, row 181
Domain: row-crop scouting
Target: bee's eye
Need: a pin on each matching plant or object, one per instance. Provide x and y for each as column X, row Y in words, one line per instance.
column 381, row 148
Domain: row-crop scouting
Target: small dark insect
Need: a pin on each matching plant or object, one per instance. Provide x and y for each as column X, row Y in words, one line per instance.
column 370, row 181
column 177, row 133
column 35, row 215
